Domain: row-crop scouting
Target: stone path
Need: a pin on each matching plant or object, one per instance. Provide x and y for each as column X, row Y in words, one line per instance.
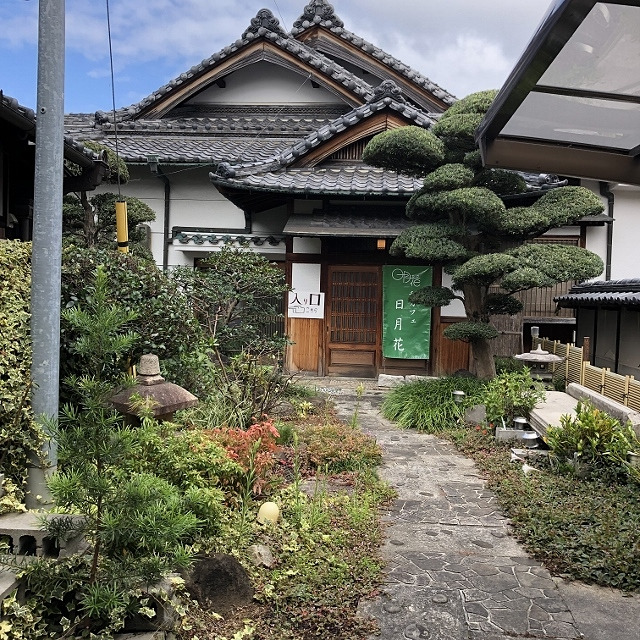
column 454, row 572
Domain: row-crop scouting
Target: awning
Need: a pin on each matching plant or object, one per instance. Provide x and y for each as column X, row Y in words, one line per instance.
column 571, row 105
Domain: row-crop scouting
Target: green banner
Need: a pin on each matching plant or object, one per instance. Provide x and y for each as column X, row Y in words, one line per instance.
column 406, row 327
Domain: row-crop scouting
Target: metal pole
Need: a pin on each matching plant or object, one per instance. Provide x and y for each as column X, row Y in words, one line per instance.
column 47, row 237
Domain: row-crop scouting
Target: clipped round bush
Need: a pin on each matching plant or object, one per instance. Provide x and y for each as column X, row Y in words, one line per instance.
column 410, row 150
column 448, row 177
column 471, row 331
column 501, row 181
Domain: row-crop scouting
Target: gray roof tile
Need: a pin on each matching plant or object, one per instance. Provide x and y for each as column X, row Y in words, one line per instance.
column 625, row 293
column 321, row 13
column 25, row 118
column 338, row 180
column 264, row 25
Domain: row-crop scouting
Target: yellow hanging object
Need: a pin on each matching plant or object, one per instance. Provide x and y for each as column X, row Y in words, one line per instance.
column 122, row 229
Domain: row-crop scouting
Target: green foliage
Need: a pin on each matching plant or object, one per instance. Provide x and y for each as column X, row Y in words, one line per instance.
column 500, row 181
column 592, row 438
column 165, row 324
column 550, row 263
column 118, row 170
column 430, row 243
column 242, row 390
column 457, row 126
column 471, row 331
column 483, row 270
column 432, row 296
column 92, row 222
column 509, row 365
column 102, row 332
column 19, row 436
column 558, row 207
column 233, row 294
column 511, row 394
column 447, row 177
column 409, row 150
column 429, row 405
column 502, row 304
column 468, row 204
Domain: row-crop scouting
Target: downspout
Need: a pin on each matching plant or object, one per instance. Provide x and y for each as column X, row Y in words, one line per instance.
column 154, row 165
column 608, row 194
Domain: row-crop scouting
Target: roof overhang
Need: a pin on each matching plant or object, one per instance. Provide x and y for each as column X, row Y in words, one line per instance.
column 571, row 105
column 351, row 226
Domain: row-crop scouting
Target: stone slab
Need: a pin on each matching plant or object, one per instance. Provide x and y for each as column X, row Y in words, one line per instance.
column 417, row 614
column 8, row 583
column 556, row 404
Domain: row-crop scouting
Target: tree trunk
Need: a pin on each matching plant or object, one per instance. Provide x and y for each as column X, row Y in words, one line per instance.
column 89, row 226
column 482, row 362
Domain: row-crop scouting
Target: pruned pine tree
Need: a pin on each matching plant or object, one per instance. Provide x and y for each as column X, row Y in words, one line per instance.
column 91, row 222
column 465, row 226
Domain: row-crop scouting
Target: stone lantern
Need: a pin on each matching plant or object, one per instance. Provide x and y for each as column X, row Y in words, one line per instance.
column 166, row 397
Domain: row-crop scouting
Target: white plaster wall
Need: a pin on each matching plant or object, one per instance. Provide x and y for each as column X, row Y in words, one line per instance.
column 456, row 308
column 626, row 232
column 305, row 277
column 195, row 202
column 265, row 83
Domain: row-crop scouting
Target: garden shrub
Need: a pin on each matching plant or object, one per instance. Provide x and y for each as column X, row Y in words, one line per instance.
column 428, row 405
column 253, row 449
column 234, row 295
column 165, row 324
column 592, row 438
column 511, row 394
column 332, row 446
column 19, row 436
column 188, row 457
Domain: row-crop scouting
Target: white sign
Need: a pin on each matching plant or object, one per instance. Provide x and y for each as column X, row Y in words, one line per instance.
column 303, row 304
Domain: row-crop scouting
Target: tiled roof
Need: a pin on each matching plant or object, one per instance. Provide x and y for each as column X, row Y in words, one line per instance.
column 194, row 149
column 321, row 13
column 354, row 180
column 25, row 118
column 385, row 95
column 264, row 25
column 228, row 120
column 619, row 293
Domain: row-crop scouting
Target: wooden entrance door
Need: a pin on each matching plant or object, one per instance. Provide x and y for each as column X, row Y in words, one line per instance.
column 353, row 321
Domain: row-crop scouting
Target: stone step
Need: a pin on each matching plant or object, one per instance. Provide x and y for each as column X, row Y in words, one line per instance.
column 8, row 583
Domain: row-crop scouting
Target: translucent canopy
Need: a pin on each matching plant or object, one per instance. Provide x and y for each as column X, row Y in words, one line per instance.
column 571, row 105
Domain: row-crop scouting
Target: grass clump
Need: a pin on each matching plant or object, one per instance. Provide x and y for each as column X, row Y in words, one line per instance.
column 428, row 405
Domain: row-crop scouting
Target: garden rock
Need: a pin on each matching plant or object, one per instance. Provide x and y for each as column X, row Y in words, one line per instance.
column 475, row 415
column 261, row 555
column 219, row 582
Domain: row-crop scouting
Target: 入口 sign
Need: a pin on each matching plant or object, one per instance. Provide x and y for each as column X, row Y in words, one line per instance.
column 304, row 304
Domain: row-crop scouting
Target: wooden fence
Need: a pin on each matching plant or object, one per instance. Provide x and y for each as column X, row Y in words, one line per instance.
column 623, row 389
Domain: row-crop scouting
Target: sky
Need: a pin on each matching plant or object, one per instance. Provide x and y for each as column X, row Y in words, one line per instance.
column 461, row 45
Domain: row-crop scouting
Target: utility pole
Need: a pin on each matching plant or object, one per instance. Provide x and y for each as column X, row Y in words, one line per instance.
column 47, row 238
